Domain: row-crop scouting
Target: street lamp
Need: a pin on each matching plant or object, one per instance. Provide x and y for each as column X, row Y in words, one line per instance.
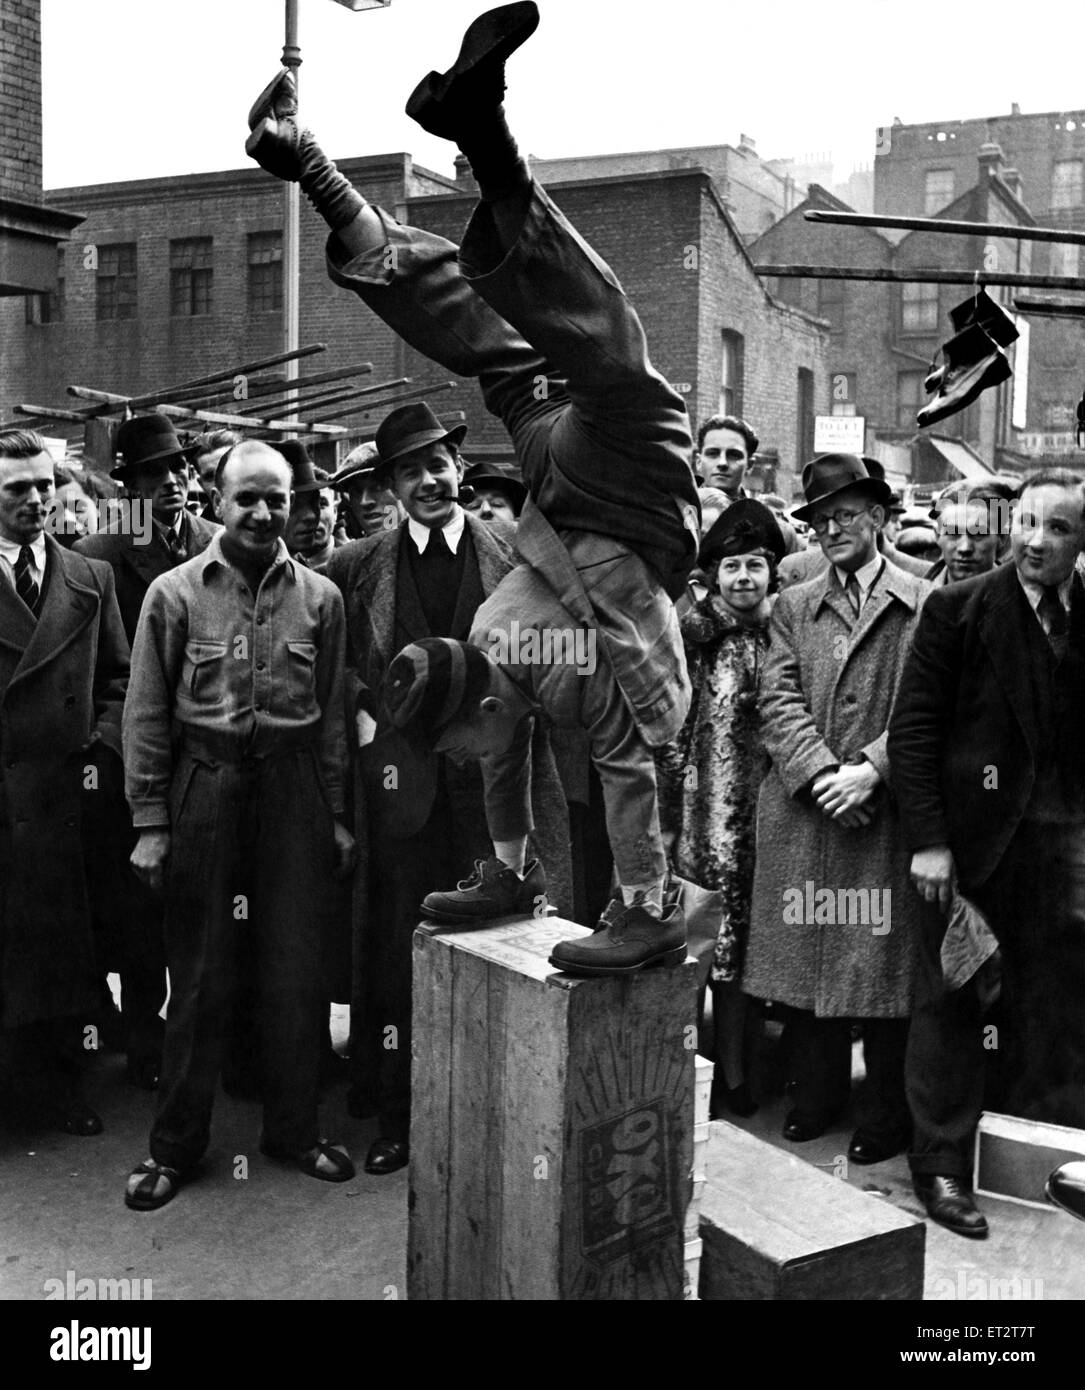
column 292, row 194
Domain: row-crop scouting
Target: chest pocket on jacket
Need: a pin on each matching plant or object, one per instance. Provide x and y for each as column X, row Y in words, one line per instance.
column 202, row 671
column 301, row 672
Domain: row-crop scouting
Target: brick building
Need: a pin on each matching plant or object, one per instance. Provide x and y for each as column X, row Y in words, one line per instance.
column 884, row 335
column 185, row 280
column 29, row 230
column 918, row 171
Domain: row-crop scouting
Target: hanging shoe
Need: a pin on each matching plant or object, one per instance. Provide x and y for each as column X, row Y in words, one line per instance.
column 973, row 362
column 981, row 309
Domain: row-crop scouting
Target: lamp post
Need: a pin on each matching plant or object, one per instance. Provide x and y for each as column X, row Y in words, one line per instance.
column 292, row 194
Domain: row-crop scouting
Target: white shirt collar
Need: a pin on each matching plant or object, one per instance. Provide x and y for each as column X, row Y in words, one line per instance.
column 1035, row 592
column 453, row 530
column 10, row 551
column 866, row 576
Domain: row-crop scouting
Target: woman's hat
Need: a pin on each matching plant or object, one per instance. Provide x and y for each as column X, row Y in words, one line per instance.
column 746, row 525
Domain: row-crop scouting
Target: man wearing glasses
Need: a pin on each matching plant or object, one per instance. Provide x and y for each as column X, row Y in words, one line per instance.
column 834, row 915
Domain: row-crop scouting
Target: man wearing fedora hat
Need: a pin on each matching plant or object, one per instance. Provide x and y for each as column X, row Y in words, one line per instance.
column 426, row 824
column 310, row 528
column 370, row 504
column 603, row 442
column 834, row 922
column 153, row 467
column 494, row 494
column 802, row 565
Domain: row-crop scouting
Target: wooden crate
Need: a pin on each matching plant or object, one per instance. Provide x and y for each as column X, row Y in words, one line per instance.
column 552, row 1122
column 1015, row 1156
column 775, row 1228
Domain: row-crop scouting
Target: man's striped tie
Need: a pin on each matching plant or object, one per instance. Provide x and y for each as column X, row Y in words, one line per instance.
column 26, row 586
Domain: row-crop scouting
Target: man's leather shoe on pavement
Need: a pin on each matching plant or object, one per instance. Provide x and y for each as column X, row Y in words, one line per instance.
column 493, row 890
column 865, row 1148
column 387, row 1156
column 949, row 1202
column 443, row 103
column 800, row 1129
column 627, row 940
column 1066, row 1188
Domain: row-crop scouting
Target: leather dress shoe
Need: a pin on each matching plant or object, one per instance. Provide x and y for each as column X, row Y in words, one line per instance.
column 493, row 890
column 627, row 939
column 865, row 1148
column 386, row 1156
column 443, row 103
column 1065, row 1188
column 949, row 1202
column 78, row 1118
column 973, row 362
column 800, row 1129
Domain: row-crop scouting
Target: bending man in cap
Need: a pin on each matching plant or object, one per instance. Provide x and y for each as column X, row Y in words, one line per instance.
column 610, row 530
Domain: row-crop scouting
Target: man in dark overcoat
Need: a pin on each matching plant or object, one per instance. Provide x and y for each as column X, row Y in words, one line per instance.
column 152, row 535
column 63, row 670
column 988, row 758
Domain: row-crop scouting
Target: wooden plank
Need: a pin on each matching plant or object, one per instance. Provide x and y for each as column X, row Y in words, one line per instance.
column 775, row 1228
column 923, row 277
column 946, row 225
column 629, row 1130
column 431, row 1106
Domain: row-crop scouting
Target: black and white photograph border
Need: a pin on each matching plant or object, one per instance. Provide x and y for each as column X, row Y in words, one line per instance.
column 847, row 237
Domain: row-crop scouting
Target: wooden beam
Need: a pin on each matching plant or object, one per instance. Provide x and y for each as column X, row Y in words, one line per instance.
column 247, row 422
column 1049, row 308
column 946, row 225
column 277, row 387
column 108, row 401
column 41, row 412
column 924, row 277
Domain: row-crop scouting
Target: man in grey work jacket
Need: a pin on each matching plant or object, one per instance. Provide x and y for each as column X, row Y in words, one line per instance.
column 235, row 751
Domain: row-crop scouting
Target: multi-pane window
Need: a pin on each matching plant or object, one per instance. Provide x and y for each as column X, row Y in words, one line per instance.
column 918, row 308
column 265, row 271
column 831, row 302
column 190, row 276
column 910, row 396
column 731, row 374
column 48, row 306
column 1066, row 188
column 937, row 190
column 116, row 281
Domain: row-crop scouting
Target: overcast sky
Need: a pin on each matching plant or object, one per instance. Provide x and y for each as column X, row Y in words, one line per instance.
column 138, row 88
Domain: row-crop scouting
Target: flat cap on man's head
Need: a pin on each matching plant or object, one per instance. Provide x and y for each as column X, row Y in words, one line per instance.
column 431, row 681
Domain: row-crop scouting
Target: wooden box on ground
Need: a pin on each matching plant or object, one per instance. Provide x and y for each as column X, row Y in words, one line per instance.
column 551, row 1121
column 773, row 1227
column 1014, row 1156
